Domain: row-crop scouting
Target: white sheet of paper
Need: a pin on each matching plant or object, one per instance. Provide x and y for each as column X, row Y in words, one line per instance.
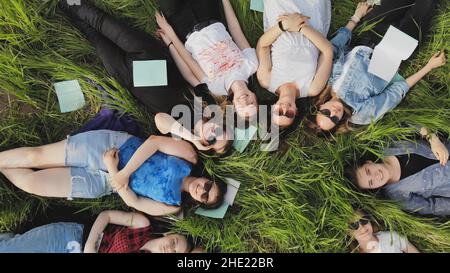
column 395, row 47
column 232, row 190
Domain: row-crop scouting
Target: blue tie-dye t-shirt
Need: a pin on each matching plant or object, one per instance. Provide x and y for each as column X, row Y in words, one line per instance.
column 159, row 178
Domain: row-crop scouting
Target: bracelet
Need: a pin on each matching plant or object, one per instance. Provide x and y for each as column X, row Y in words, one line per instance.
column 280, row 25
column 355, row 19
column 168, row 46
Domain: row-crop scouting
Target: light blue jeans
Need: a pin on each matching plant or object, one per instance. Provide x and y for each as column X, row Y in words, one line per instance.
column 52, row 238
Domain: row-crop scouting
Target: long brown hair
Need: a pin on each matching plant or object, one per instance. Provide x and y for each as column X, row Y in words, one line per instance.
column 344, row 125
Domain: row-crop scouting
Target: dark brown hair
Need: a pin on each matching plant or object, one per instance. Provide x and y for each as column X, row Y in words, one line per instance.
column 344, row 125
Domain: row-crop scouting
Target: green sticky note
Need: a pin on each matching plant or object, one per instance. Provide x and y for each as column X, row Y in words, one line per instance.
column 70, row 96
column 218, row 213
column 242, row 137
column 150, row 73
column 257, row 5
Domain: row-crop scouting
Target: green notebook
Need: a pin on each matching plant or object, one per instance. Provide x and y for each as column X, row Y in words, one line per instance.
column 150, row 73
column 70, row 96
column 257, row 5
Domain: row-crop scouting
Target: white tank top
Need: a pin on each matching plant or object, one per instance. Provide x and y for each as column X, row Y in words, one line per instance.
column 295, row 57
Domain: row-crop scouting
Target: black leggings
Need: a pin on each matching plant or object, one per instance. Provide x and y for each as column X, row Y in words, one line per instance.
column 410, row 16
column 118, row 45
column 183, row 15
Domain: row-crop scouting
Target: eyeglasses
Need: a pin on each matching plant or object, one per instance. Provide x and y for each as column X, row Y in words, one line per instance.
column 207, row 188
column 290, row 114
column 363, row 221
column 327, row 113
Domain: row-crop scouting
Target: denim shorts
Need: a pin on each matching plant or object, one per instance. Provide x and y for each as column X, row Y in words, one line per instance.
column 84, row 155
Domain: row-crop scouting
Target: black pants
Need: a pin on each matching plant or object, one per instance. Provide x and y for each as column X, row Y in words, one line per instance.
column 118, row 45
column 410, row 16
column 183, row 15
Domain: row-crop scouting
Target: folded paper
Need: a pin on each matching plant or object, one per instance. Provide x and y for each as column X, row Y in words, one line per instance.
column 150, row 73
column 242, row 137
column 70, row 96
column 387, row 56
column 257, row 5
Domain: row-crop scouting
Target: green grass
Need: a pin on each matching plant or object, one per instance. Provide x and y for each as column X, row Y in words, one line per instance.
column 295, row 200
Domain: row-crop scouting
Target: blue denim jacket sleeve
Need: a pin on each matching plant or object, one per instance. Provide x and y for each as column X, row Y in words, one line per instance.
column 439, row 206
column 375, row 107
column 340, row 41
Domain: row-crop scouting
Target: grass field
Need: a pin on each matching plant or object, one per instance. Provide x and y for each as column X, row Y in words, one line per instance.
column 295, row 200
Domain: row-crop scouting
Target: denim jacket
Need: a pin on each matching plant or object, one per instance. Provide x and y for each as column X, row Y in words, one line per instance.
column 426, row 192
column 369, row 96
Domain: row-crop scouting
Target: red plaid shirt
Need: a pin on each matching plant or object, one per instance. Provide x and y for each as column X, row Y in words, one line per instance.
column 120, row 239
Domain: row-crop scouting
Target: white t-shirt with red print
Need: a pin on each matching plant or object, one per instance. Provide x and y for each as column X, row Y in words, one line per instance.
column 220, row 58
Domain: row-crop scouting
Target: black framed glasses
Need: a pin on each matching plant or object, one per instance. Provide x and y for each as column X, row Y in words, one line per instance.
column 361, row 222
column 327, row 113
column 207, row 188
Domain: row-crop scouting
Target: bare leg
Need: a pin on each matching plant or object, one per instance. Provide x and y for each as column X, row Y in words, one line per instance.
column 48, row 183
column 43, row 157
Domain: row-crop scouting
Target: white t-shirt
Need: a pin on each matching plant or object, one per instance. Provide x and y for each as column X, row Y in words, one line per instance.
column 220, row 58
column 389, row 242
column 295, row 57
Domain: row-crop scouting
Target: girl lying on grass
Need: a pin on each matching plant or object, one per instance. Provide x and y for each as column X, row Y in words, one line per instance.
column 221, row 59
column 294, row 54
column 362, row 230
column 357, row 96
column 112, row 232
column 415, row 175
column 119, row 45
column 149, row 175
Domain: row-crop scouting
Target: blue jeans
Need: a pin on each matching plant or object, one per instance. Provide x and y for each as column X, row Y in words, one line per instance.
column 53, row 238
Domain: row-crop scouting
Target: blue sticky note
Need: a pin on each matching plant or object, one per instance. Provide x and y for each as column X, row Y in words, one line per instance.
column 70, row 96
column 242, row 137
column 150, row 73
column 217, row 213
column 257, row 5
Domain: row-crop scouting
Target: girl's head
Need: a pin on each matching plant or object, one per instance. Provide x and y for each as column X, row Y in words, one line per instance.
column 171, row 243
column 209, row 193
column 371, row 175
column 245, row 101
column 332, row 115
column 285, row 110
column 360, row 227
column 213, row 135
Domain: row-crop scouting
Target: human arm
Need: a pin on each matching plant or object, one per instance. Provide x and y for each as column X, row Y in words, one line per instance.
column 437, row 146
column 128, row 219
column 234, row 27
column 185, row 70
column 167, row 124
column 436, row 61
column 181, row 49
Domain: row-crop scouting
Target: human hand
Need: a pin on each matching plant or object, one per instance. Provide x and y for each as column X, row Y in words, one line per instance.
column 362, row 9
column 111, row 159
column 439, row 149
column 293, row 22
column 437, row 60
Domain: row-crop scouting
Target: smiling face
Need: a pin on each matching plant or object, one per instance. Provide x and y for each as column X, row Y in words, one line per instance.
column 283, row 113
column 204, row 191
column 364, row 233
column 333, row 108
column 372, row 175
column 172, row 243
column 246, row 104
